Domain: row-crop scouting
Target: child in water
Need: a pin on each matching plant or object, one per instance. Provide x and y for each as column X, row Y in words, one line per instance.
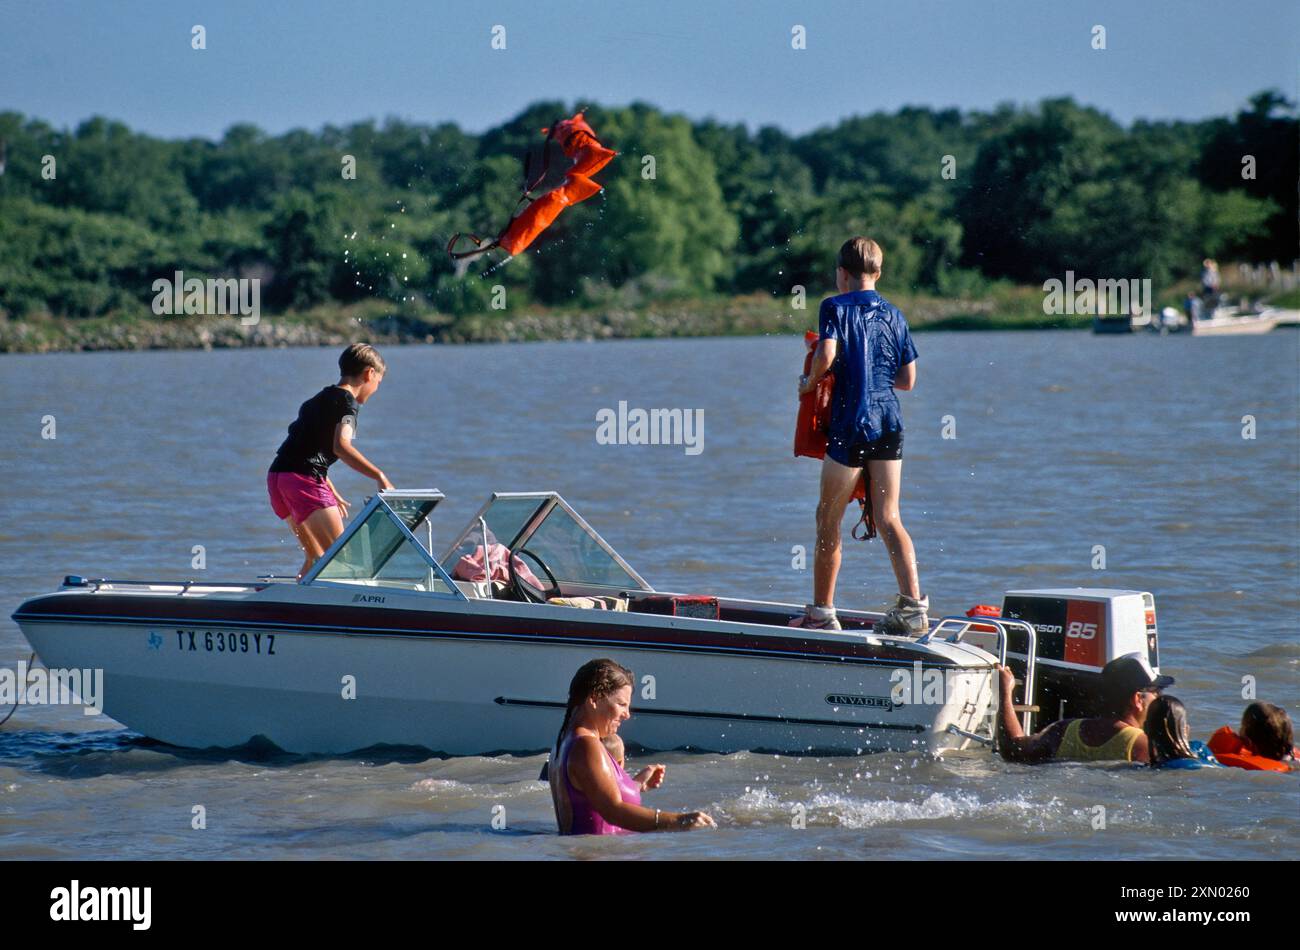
column 1167, row 738
column 651, row 776
column 1265, row 742
column 298, row 482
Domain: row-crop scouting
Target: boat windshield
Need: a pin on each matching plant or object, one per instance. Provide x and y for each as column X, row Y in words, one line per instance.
column 378, row 553
column 542, row 527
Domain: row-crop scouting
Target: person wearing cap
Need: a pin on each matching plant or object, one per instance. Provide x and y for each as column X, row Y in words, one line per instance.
column 1129, row 686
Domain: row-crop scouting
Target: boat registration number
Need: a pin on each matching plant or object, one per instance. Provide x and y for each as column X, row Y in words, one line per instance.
column 225, row 641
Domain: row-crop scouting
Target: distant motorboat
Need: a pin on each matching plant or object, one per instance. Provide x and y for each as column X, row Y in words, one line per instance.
column 1285, row 318
column 1171, row 321
column 1226, row 321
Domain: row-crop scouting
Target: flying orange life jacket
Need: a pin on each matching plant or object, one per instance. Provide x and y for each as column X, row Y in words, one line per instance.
column 580, row 145
column 810, row 433
column 1235, row 751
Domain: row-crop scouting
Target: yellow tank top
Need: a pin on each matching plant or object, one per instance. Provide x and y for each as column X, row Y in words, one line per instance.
column 1118, row 748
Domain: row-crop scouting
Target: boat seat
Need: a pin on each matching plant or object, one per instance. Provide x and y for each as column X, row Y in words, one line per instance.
column 476, row 590
column 591, row 603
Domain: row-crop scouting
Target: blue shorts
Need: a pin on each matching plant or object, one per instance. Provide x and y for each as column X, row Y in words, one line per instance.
column 889, row 447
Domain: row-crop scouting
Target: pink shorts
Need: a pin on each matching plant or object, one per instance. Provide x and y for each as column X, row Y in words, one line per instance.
column 297, row 496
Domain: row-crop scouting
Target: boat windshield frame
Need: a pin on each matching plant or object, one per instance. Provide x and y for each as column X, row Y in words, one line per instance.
column 547, row 502
column 380, row 501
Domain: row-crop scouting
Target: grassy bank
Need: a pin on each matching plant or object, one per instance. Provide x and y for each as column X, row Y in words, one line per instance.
column 1013, row 308
column 1002, row 308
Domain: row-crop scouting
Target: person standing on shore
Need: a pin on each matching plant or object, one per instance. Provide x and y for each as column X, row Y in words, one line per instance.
column 865, row 340
column 298, row 481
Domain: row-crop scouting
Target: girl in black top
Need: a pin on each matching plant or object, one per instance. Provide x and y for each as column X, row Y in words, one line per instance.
column 298, row 482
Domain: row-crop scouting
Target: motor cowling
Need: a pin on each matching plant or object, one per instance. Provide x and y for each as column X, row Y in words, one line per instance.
column 1079, row 630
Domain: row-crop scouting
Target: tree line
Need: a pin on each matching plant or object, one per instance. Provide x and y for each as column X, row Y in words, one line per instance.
column 90, row 217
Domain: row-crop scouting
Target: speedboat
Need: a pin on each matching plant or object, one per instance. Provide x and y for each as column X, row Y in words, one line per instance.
column 383, row 643
column 1232, row 321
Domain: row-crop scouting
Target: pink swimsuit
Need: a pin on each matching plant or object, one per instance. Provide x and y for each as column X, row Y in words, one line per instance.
column 586, row 820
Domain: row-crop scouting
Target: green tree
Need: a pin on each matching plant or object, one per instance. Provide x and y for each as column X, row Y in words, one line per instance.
column 74, row 263
column 305, row 242
column 1262, row 141
column 1021, row 177
column 673, row 228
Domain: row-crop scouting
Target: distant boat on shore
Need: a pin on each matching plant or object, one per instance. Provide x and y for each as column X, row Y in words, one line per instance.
column 1225, row 321
column 1285, row 318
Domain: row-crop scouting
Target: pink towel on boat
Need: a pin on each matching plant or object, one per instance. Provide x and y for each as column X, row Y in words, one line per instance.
column 470, row 567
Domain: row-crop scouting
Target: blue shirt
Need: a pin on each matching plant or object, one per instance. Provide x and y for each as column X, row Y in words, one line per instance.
column 872, row 344
column 1203, row 759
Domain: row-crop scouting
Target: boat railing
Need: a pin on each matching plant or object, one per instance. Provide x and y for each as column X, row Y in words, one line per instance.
column 181, row 587
column 960, row 626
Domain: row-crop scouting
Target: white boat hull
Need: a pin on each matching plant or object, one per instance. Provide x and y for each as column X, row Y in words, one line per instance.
column 1233, row 326
column 474, row 697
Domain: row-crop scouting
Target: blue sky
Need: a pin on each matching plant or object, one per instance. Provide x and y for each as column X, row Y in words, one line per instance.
column 288, row 64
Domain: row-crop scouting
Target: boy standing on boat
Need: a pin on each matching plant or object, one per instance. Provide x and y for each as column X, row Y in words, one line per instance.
column 865, row 340
column 298, row 481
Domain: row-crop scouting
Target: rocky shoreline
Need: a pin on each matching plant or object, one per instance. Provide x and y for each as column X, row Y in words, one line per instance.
column 740, row 317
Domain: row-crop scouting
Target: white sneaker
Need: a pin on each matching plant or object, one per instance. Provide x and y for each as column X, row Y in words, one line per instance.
column 907, row 618
column 817, row 618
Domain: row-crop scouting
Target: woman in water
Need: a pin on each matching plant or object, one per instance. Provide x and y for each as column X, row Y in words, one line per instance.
column 591, row 792
column 1167, row 738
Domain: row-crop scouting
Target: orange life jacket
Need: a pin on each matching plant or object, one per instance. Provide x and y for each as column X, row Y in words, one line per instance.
column 587, row 156
column 1235, row 751
column 811, row 428
column 984, row 610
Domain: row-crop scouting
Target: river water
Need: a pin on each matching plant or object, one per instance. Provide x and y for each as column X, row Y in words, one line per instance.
column 1063, row 442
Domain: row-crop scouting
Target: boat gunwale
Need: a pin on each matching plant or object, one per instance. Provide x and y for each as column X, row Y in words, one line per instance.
column 936, row 654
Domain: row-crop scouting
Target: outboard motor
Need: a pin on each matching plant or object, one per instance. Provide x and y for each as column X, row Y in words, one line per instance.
column 1080, row 630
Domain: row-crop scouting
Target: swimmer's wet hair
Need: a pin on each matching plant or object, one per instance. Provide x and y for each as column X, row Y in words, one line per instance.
column 1167, row 731
column 1268, row 729
column 593, row 680
column 359, row 357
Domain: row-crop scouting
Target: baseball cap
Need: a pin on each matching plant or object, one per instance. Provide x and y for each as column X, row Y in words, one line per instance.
column 1131, row 673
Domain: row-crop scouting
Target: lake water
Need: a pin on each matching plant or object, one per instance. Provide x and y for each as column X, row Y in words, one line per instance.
column 1064, row 441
